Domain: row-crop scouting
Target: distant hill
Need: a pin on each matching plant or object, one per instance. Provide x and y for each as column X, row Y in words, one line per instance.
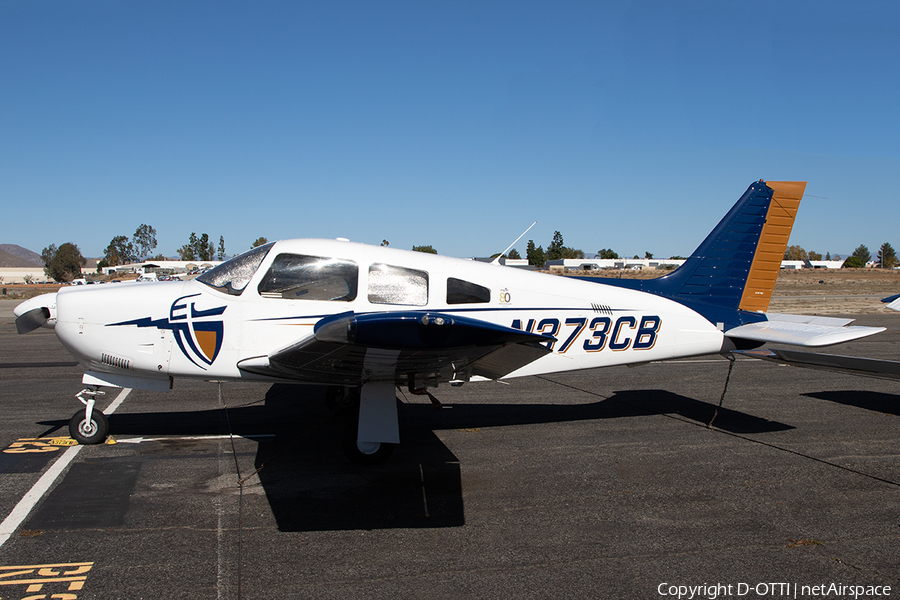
column 10, row 261
column 33, row 258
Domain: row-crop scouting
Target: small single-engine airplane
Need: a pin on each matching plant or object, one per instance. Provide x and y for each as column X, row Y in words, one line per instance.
column 364, row 319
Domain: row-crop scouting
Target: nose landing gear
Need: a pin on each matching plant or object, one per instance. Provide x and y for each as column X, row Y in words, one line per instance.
column 88, row 426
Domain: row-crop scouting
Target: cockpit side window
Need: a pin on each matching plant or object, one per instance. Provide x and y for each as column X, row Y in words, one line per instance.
column 465, row 292
column 389, row 284
column 232, row 276
column 301, row 277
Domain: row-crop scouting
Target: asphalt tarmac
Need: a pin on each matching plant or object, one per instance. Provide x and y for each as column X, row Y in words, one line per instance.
column 596, row 484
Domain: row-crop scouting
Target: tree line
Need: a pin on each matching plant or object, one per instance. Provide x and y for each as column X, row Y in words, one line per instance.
column 885, row 259
column 64, row 263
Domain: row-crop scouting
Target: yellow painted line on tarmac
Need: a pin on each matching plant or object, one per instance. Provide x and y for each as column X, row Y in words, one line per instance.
column 35, row 577
column 43, row 485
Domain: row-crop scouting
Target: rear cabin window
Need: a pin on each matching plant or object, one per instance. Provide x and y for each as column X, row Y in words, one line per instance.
column 300, row 277
column 397, row 285
column 465, row 292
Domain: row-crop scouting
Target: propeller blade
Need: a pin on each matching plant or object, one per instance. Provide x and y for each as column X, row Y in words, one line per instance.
column 31, row 320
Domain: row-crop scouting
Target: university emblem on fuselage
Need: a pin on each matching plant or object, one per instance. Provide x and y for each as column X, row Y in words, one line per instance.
column 197, row 332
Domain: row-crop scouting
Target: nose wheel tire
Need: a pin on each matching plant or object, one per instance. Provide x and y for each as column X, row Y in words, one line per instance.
column 92, row 431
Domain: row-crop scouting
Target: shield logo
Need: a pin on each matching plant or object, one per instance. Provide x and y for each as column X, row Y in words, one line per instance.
column 199, row 333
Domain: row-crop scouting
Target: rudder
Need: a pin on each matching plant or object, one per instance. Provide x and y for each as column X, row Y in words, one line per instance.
column 773, row 241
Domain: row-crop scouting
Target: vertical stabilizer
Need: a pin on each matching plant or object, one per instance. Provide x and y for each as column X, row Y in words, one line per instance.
column 731, row 275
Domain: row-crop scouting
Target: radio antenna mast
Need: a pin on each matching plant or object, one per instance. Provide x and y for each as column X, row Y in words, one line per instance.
column 496, row 261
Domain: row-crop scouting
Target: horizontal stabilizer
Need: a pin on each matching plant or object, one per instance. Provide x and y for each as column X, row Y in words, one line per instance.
column 810, row 334
column 830, row 321
column 893, row 301
column 868, row 367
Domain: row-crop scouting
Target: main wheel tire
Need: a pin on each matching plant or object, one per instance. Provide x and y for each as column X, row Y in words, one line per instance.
column 364, row 453
column 89, row 432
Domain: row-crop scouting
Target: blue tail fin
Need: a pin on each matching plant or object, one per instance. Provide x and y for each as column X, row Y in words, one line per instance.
column 736, row 266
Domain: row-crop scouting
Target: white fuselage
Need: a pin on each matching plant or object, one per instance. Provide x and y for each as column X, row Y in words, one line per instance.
column 155, row 331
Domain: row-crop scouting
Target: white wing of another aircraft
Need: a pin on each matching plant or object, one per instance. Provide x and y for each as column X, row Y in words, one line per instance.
column 363, row 319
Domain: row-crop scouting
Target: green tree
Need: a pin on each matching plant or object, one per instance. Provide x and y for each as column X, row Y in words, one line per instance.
column 186, row 252
column 63, row 263
column 260, row 241
column 144, row 241
column 514, row 254
column 426, row 249
column 863, row 254
column 828, row 256
column 814, row 255
column 887, row 257
column 648, row 255
column 221, row 253
column 795, row 253
column 534, row 255
column 199, row 248
column 853, row 262
column 385, row 243
column 558, row 249
column 189, row 250
column 555, row 249
column 607, row 253
column 205, row 249
column 119, row 251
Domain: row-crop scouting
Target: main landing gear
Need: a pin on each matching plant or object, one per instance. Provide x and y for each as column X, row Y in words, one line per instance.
column 364, row 453
column 378, row 422
column 88, row 426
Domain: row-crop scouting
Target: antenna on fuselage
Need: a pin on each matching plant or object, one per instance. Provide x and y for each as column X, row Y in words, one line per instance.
column 496, row 261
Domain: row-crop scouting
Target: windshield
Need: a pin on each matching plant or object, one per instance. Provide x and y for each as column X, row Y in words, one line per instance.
column 233, row 276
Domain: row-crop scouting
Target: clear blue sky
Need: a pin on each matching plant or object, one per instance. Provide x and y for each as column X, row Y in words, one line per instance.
column 624, row 125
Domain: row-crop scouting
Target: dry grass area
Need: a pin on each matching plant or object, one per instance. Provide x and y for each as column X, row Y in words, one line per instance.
column 812, row 292
column 844, row 291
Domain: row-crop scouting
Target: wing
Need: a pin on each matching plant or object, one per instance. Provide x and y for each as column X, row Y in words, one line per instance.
column 404, row 347
column 869, row 367
column 892, row 301
column 801, row 330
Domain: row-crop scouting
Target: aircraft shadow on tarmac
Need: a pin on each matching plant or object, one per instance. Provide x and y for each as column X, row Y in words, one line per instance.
column 310, row 486
column 876, row 401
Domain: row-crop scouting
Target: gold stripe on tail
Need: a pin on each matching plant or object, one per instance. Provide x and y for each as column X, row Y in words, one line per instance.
column 773, row 242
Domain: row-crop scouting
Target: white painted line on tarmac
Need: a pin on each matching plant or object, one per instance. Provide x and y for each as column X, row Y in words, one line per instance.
column 117, row 402
column 37, row 491
column 139, row 440
column 28, row 501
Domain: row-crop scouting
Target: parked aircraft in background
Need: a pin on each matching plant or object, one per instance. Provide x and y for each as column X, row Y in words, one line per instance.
column 892, row 301
column 364, row 319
